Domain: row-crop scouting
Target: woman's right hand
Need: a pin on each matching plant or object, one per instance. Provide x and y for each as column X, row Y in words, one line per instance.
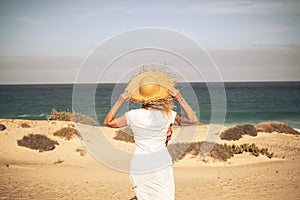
column 175, row 94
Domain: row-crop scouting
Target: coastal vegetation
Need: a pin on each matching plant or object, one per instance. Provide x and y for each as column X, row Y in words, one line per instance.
column 125, row 135
column 2, row 127
column 221, row 152
column 237, row 132
column 217, row 151
column 37, row 142
column 59, row 161
column 66, row 133
column 69, row 116
column 279, row 127
column 60, row 115
column 25, row 125
column 178, row 151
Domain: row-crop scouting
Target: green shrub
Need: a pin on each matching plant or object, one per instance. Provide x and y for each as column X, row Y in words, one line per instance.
column 59, row 161
column 220, row 152
column 252, row 148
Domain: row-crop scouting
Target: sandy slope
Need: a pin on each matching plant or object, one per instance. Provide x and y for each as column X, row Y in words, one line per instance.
column 28, row 174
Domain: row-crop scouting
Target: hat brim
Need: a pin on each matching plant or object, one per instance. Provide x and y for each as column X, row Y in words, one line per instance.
column 160, row 95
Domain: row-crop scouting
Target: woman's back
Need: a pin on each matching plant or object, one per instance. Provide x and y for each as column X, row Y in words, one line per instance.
column 150, row 128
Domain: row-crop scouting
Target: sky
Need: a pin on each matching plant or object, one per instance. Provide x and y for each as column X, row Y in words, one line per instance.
column 47, row 41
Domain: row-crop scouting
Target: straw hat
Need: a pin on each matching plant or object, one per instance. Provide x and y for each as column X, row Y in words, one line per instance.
column 150, row 87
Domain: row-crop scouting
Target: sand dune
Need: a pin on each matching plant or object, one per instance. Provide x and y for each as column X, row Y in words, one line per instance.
column 29, row 174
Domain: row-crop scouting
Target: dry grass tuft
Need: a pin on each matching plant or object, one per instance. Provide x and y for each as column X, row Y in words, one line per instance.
column 37, row 142
column 125, row 135
column 237, row 132
column 81, row 152
column 25, row 125
column 75, row 117
column 66, row 133
column 60, row 115
column 180, row 150
column 220, row 152
column 84, row 119
column 59, row 161
column 278, row 127
column 2, row 127
column 71, row 125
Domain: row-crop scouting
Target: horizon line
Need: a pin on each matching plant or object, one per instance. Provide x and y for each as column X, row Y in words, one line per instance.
column 180, row 82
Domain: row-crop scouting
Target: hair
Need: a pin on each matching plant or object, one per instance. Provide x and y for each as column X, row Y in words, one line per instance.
column 167, row 106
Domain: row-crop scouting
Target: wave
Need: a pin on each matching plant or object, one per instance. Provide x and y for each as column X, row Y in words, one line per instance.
column 25, row 115
column 32, row 115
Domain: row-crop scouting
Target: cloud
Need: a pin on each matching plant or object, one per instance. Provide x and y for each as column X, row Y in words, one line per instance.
column 88, row 15
column 123, row 9
column 264, row 7
column 219, row 7
column 27, row 20
column 246, row 7
column 277, row 47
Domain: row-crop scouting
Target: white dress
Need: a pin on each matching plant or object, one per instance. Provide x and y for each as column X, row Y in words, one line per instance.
column 151, row 171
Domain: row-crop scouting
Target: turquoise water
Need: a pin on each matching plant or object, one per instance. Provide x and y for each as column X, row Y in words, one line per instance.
column 247, row 102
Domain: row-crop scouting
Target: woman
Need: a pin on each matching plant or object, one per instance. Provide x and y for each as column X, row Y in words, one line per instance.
column 151, row 171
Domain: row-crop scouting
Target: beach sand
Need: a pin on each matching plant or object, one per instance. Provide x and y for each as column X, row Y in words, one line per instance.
column 29, row 174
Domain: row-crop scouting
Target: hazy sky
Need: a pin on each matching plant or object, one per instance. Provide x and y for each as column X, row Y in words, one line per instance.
column 46, row 41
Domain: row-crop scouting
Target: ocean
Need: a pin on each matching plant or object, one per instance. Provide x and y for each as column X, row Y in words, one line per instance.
column 247, row 102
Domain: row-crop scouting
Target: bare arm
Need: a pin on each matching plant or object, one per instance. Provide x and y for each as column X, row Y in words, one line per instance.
column 110, row 119
column 190, row 117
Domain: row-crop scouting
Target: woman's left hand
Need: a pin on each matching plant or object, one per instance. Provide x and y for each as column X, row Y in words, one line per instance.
column 124, row 97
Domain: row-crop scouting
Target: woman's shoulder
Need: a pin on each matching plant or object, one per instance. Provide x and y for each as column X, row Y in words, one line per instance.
column 141, row 111
column 133, row 111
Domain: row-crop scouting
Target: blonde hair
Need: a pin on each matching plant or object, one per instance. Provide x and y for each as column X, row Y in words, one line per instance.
column 166, row 106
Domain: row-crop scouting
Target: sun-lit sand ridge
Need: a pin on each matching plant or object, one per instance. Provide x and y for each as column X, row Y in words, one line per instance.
column 69, row 172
